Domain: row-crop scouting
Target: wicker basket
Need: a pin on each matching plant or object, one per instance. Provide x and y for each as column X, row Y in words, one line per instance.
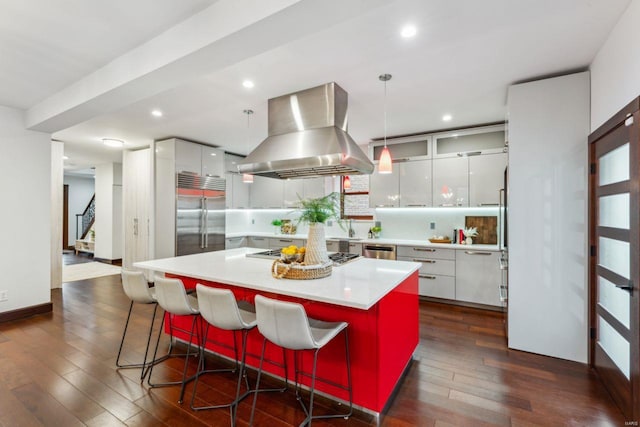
column 296, row 271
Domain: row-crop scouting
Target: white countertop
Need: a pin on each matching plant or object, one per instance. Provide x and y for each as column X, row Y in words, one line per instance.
column 385, row 241
column 358, row 284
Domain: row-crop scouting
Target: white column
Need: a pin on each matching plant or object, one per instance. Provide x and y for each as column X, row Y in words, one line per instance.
column 108, row 222
column 57, row 172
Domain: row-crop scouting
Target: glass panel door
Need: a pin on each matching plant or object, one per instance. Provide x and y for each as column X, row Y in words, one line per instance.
column 614, row 267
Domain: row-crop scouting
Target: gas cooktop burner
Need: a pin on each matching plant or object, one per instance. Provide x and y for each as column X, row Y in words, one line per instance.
column 338, row 258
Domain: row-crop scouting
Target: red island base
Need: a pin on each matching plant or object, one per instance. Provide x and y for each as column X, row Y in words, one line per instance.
column 382, row 342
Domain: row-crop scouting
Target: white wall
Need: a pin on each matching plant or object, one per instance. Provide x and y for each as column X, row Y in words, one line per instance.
column 25, row 248
column 81, row 190
column 548, row 290
column 108, row 223
column 57, row 203
column 615, row 70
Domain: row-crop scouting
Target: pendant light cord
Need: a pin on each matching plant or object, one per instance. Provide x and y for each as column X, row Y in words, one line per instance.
column 385, row 78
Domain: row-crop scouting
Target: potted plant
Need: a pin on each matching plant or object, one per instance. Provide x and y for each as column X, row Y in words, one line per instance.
column 315, row 212
column 468, row 234
column 277, row 223
column 376, row 231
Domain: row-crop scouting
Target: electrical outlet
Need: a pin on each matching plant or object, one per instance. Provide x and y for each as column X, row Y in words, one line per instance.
column 4, row 295
column 432, row 225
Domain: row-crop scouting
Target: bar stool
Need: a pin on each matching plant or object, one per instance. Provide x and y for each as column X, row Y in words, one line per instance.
column 220, row 309
column 173, row 299
column 137, row 289
column 286, row 324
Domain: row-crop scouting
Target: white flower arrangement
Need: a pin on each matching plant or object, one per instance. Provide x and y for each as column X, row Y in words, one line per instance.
column 470, row 232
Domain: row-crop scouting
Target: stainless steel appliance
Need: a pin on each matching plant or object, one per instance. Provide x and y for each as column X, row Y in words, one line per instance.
column 338, row 258
column 379, row 251
column 200, row 214
column 504, row 251
column 308, row 137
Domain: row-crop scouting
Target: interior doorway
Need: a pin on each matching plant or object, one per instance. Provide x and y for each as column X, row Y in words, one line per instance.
column 65, row 217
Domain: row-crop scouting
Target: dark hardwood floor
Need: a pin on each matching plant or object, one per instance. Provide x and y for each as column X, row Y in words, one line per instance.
column 59, row 370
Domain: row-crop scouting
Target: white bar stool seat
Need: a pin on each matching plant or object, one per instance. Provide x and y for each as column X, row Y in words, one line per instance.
column 286, row 324
column 172, row 297
column 137, row 289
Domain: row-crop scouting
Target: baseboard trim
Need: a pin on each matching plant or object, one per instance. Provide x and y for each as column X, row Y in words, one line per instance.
column 21, row 313
column 109, row 261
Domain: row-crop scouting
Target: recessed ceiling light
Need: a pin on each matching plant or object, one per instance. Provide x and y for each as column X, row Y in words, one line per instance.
column 248, row 84
column 65, row 157
column 156, row 113
column 110, row 142
column 447, row 118
column 408, row 31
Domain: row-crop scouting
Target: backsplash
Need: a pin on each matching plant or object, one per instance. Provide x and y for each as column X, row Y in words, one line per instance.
column 397, row 223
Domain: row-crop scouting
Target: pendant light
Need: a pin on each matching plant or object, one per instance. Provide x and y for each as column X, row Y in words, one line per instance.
column 247, row 178
column 346, row 183
column 384, row 163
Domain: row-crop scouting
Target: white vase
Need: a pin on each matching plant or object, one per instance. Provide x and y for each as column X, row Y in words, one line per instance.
column 316, row 252
column 468, row 241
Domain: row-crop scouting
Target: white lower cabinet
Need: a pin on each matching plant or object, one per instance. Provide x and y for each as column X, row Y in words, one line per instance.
column 235, row 242
column 436, row 277
column 278, row 243
column 478, row 276
column 258, row 242
column 333, row 246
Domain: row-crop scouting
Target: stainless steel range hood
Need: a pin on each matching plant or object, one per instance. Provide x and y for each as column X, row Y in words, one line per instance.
column 308, row 137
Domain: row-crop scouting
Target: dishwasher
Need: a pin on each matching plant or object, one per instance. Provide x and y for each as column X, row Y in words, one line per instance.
column 378, row 251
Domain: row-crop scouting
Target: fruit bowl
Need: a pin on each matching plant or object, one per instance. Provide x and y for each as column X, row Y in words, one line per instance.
column 289, row 258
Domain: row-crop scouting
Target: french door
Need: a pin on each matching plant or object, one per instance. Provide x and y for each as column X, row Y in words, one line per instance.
column 615, row 258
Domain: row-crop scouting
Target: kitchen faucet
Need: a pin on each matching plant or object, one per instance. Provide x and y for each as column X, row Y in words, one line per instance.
column 352, row 232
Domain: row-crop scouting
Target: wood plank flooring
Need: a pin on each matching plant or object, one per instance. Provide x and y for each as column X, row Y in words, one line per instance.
column 59, row 369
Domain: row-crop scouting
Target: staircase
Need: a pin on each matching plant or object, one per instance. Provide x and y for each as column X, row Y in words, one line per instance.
column 88, row 217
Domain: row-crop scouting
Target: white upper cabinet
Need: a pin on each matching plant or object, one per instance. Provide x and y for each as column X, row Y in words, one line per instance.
column 415, row 183
column 198, row 159
column 293, row 191
column 384, row 189
column 469, row 142
column 212, row 162
column 188, row 157
column 451, row 181
column 266, row 192
column 237, row 196
column 486, row 178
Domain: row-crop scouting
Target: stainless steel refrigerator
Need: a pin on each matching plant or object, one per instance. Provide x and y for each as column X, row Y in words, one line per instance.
column 200, row 214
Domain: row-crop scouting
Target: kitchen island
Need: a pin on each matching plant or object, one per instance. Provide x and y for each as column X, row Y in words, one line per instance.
column 378, row 298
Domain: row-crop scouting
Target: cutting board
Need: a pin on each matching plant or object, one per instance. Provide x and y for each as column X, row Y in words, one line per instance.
column 487, row 227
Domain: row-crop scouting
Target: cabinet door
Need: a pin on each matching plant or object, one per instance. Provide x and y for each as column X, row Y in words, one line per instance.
column 486, row 178
column 188, row 157
column 333, row 246
column 266, row 192
column 293, row 190
column 384, row 189
column 235, row 242
column 415, row 183
column 212, row 162
column 314, row 188
column 355, row 248
column 478, row 276
column 277, row 243
column 231, row 162
column 451, row 181
column 240, row 192
column 258, row 242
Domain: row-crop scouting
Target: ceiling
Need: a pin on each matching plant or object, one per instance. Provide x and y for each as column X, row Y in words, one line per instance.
column 465, row 55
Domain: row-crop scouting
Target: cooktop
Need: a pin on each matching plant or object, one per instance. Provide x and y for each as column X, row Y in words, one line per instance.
column 338, row 258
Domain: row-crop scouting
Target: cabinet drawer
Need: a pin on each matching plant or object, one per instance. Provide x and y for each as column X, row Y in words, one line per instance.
column 333, row 246
column 258, row 242
column 437, row 286
column 433, row 266
column 426, row 252
column 277, row 243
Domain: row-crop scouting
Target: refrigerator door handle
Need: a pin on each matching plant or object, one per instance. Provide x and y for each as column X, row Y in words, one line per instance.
column 500, row 231
column 206, row 223
column 202, row 223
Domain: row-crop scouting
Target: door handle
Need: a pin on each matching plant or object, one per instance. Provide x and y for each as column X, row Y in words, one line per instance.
column 424, row 250
column 135, row 226
column 206, row 224
column 424, row 276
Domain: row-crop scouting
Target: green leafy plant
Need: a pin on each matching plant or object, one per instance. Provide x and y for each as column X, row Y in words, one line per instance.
column 276, row 222
column 376, row 229
column 320, row 210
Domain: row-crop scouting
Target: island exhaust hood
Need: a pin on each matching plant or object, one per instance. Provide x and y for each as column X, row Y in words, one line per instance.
column 308, row 137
